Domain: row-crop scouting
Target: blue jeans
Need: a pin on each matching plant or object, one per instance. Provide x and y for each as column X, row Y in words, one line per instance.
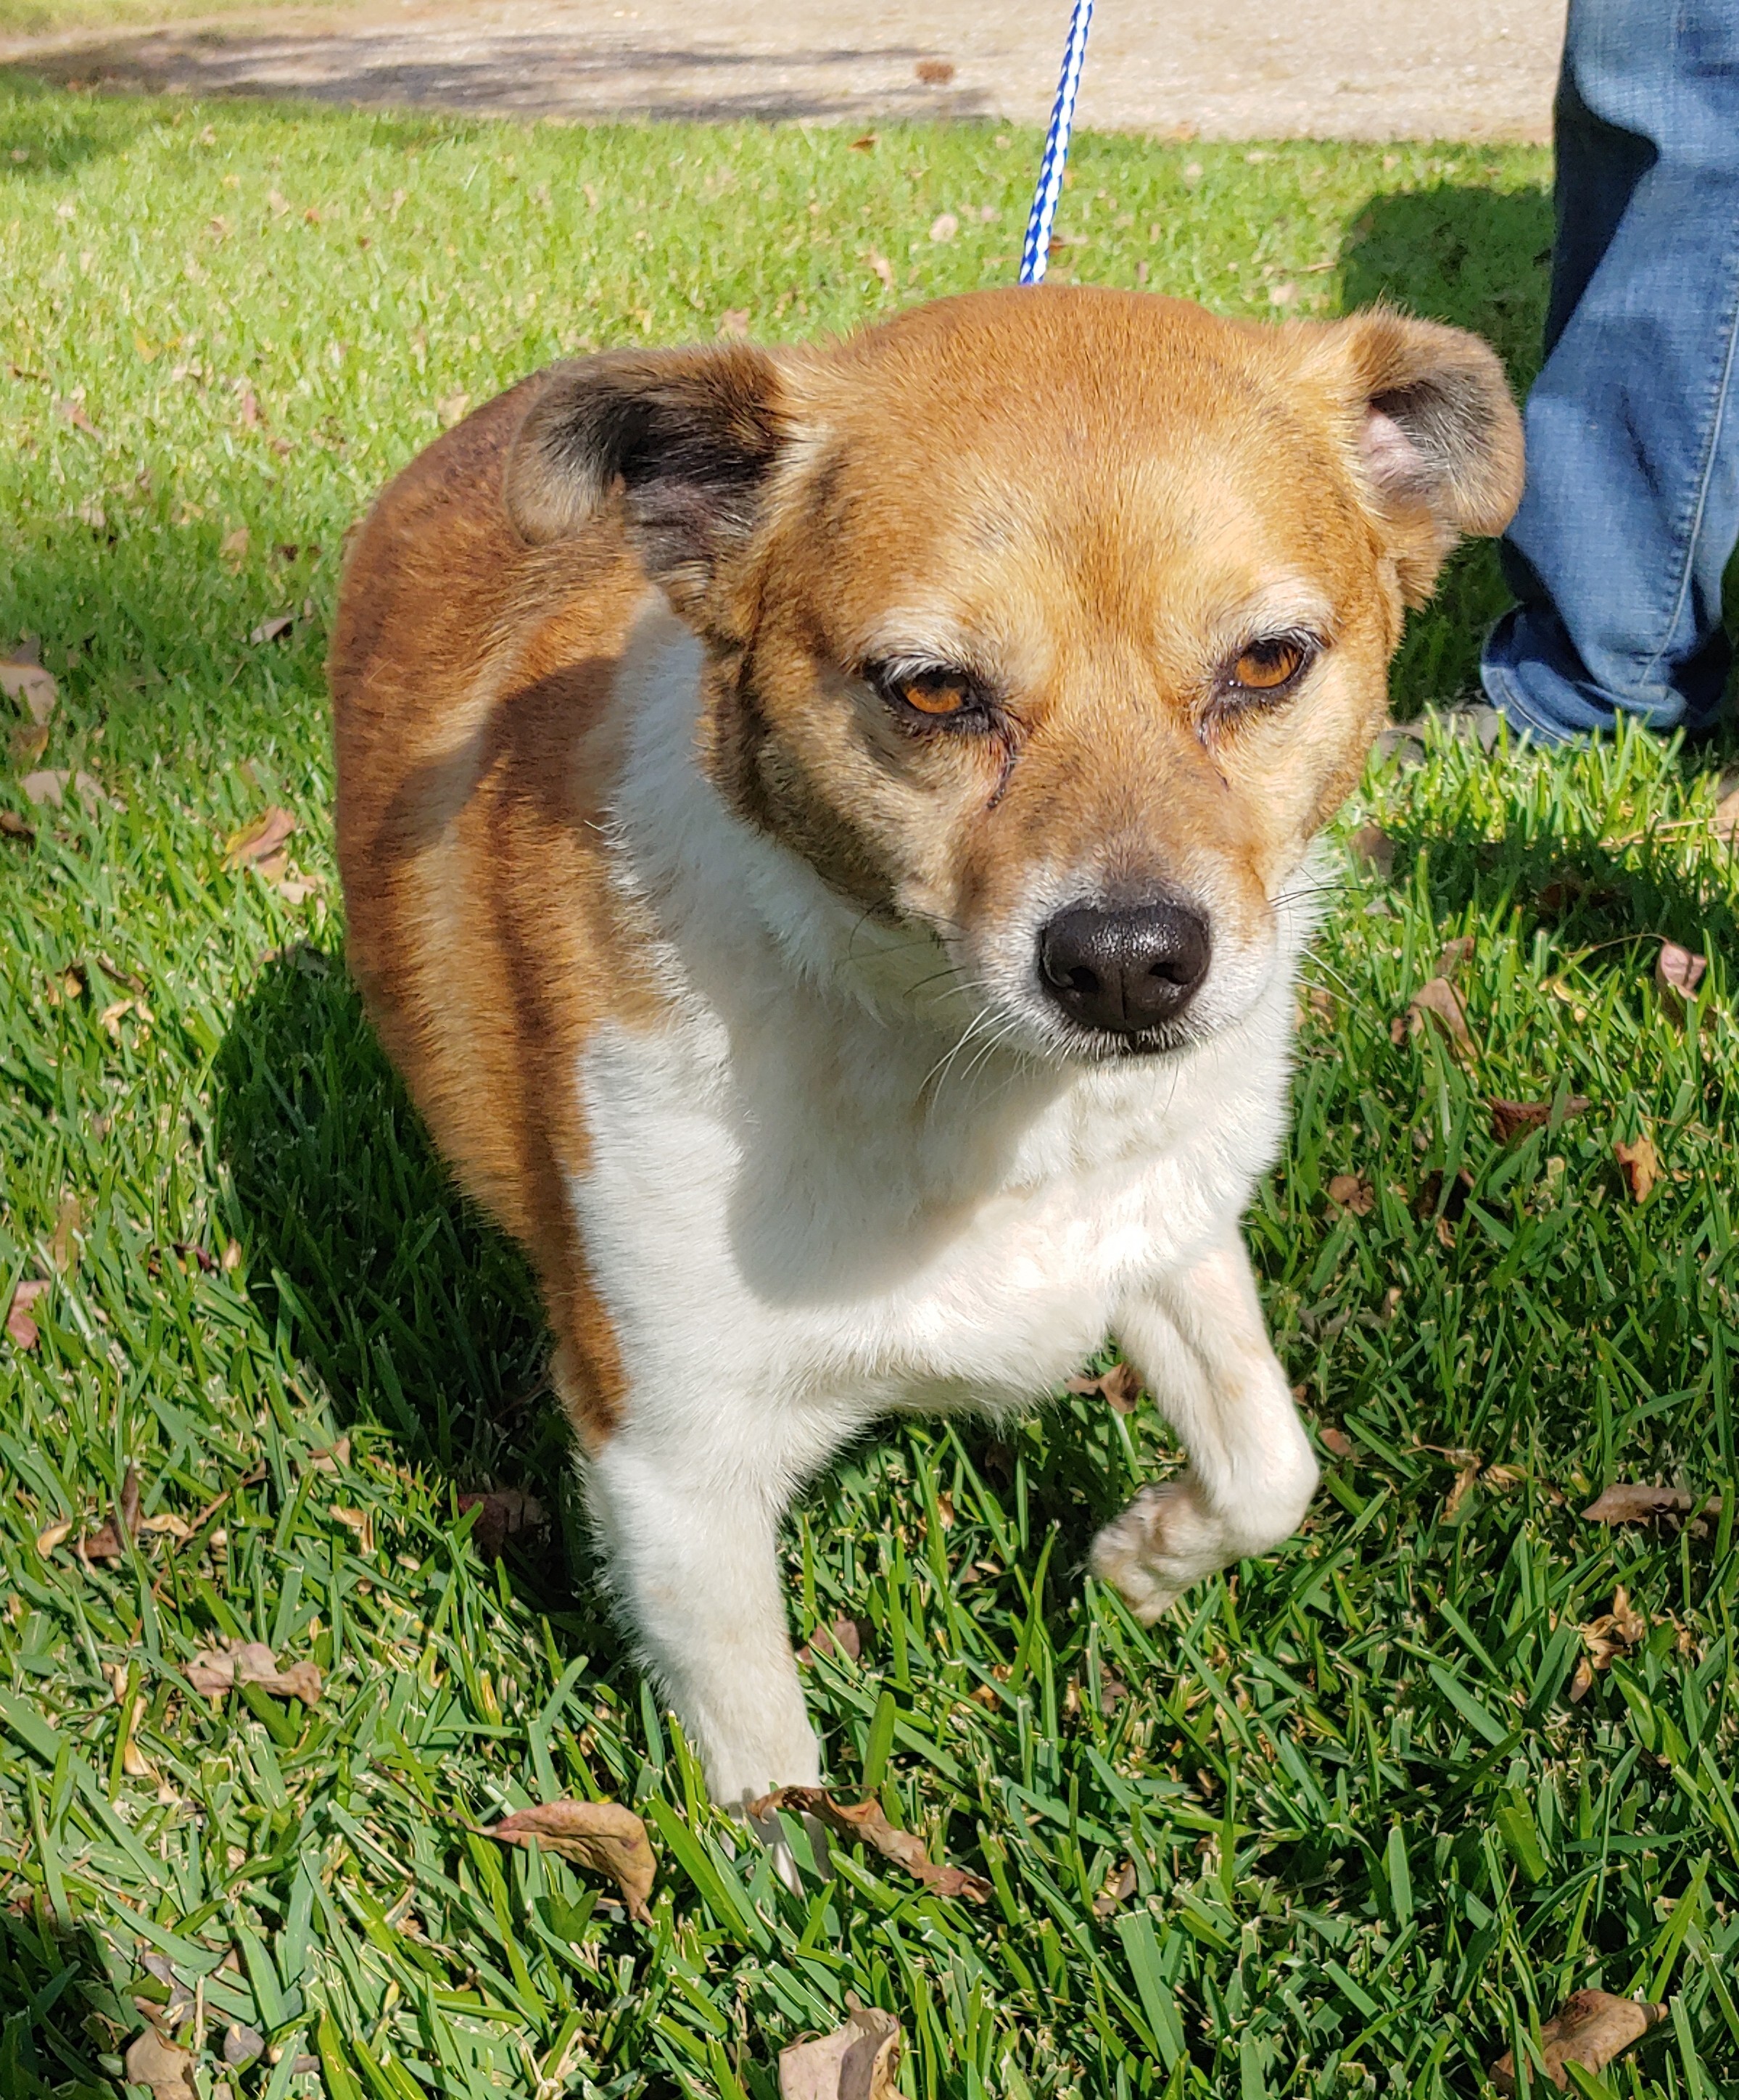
column 1631, row 508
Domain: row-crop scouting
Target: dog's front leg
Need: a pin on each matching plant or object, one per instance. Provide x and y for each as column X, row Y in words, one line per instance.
column 1202, row 1348
column 690, row 1537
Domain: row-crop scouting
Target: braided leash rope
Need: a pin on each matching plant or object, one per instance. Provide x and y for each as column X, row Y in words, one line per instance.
column 1037, row 252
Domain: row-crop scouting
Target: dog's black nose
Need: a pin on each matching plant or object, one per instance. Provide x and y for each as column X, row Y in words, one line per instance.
column 1125, row 970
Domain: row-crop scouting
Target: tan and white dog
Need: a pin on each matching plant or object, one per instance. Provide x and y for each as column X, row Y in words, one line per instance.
column 826, row 835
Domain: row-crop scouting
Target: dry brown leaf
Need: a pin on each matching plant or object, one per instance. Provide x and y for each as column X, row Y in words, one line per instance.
column 259, row 839
column 1641, row 1163
column 864, row 1820
column 1371, row 843
column 1581, row 1680
column 1118, row 1385
column 1335, row 1442
column 111, row 1542
column 54, row 1535
column 1119, row 1887
column 602, row 1835
column 1455, row 953
column 1678, row 972
column 502, row 1513
column 935, row 72
column 213, row 1672
column 944, row 226
column 132, row 1758
column 165, row 2071
column 48, row 787
column 1514, row 1119
column 12, row 826
column 1354, row 1193
column 859, row 2061
column 324, row 1458
column 22, row 1331
column 845, row 1637
column 1590, row 2028
column 1502, row 1477
column 63, row 1243
column 30, row 683
column 868, row 143
column 1633, row 1502
column 269, row 630
column 1614, row 1633
column 1437, row 1004
column 1461, row 1487
column 361, row 1522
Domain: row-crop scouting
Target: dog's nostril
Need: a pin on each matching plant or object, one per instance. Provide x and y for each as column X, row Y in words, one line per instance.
column 1126, row 971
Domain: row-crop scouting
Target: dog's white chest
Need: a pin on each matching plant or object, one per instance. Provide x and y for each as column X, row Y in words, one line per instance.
column 810, row 1229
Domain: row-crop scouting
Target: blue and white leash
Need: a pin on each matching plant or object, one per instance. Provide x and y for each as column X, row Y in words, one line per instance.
column 1037, row 251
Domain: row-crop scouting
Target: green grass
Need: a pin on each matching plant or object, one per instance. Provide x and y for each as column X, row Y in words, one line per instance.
column 1372, row 1841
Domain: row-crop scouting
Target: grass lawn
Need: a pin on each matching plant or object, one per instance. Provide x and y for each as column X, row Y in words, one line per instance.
column 1337, row 1827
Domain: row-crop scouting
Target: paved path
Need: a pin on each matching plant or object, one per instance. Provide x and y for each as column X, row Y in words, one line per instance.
column 1221, row 68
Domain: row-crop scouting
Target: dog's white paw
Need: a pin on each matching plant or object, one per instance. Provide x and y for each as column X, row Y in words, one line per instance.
column 1164, row 1541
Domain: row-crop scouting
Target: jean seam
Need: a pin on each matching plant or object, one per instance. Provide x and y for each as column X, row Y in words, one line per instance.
column 1722, row 394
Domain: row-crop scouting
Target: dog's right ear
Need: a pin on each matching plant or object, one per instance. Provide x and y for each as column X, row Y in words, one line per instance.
column 687, row 439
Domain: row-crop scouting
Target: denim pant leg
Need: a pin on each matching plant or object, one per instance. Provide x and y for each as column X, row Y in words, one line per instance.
column 1631, row 508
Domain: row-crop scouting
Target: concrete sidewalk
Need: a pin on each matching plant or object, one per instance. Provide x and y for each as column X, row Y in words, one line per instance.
column 1217, row 68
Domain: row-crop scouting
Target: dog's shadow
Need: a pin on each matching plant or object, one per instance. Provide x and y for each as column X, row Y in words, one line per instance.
column 407, row 1306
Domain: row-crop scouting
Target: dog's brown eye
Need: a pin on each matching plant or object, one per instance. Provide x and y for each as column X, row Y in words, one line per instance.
column 936, row 693
column 1264, row 666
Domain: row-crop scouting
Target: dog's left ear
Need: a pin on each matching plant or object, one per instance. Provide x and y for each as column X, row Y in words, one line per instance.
column 1435, row 432
column 686, row 438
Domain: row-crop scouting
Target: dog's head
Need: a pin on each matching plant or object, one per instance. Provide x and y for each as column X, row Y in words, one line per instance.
column 1057, row 622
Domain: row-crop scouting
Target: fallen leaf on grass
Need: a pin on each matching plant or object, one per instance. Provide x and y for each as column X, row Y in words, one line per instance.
column 1513, row 1119
column 864, row 1820
column 1634, row 1501
column 242, row 2045
column 111, row 1541
column 132, row 1758
column 602, row 1835
column 165, row 2071
column 22, row 1331
column 867, row 144
column 269, row 630
column 1462, row 1487
column 944, row 226
column 1118, row 1385
column 1613, row 1634
column 845, row 1637
column 1590, row 2028
column 213, row 1672
column 1117, row 1889
column 859, row 2061
column 1335, row 1442
column 502, row 1513
column 1678, row 972
column 733, row 325
column 1641, row 1163
column 48, row 788
column 234, row 550
column 881, row 267
column 258, row 840
column 1372, row 843
column 13, row 826
column 327, row 1458
column 1455, row 953
column 30, row 683
column 1354, row 1193
column 1435, row 1004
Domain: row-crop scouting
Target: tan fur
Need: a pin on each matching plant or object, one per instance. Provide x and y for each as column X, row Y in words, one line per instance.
column 1082, row 493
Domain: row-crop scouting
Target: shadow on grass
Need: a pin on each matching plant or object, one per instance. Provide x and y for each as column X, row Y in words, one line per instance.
column 59, row 2007
column 410, row 1308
